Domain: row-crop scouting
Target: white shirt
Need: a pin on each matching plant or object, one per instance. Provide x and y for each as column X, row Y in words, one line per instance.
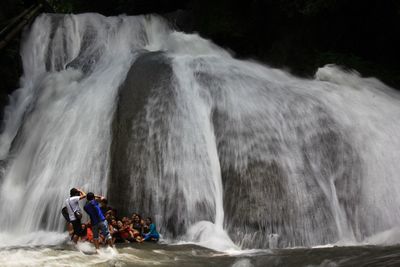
column 72, row 202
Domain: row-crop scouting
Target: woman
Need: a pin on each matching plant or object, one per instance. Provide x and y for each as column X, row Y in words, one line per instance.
column 152, row 235
column 137, row 228
column 114, row 230
column 125, row 231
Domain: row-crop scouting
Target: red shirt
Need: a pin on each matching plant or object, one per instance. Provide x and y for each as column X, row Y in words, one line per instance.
column 124, row 233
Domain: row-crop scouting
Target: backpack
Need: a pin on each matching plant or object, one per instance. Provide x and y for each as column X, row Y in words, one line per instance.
column 65, row 214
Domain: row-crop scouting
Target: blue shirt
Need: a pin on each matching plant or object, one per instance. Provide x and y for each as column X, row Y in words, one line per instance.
column 93, row 209
column 152, row 230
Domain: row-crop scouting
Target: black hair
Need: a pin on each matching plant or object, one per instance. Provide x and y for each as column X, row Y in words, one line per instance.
column 90, row 196
column 104, row 200
column 74, row 192
column 149, row 218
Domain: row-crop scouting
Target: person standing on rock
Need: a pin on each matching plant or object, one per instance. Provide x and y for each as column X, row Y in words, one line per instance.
column 74, row 212
column 97, row 219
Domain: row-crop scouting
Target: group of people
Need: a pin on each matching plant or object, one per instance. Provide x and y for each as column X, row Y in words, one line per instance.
column 104, row 226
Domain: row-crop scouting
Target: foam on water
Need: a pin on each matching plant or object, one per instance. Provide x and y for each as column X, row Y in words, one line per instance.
column 210, row 235
column 65, row 257
column 40, row 238
column 242, row 263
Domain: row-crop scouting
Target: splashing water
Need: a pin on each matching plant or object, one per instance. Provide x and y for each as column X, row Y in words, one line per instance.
column 221, row 152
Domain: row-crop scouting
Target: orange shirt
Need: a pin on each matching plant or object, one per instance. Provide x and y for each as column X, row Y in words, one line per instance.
column 89, row 234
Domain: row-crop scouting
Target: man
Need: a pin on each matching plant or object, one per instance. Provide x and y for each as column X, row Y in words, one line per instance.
column 97, row 220
column 103, row 205
column 72, row 204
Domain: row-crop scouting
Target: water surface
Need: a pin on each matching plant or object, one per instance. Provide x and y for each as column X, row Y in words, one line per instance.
column 192, row 255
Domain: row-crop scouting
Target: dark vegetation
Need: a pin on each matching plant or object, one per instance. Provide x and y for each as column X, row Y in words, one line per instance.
column 298, row 35
column 10, row 63
column 302, row 35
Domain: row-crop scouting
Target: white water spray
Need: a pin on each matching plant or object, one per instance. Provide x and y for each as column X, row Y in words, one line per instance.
column 223, row 149
column 57, row 127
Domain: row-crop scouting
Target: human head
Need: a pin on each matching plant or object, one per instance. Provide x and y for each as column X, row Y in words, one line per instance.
column 109, row 213
column 149, row 221
column 74, row 192
column 114, row 212
column 90, row 196
column 103, row 202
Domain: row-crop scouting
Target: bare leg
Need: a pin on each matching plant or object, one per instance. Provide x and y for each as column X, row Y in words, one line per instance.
column 96, row 243
column 110, row 242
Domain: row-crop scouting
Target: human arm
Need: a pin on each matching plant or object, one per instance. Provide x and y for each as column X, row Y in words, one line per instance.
column 111, row 229
column 82, row 194
column 98, row 197
column 152, row 229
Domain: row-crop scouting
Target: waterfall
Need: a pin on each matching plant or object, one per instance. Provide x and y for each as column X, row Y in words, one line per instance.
column 222, row 152
column 57, row 127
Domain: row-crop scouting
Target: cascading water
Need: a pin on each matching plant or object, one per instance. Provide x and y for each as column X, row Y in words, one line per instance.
column 219, row 151
column 57, row 128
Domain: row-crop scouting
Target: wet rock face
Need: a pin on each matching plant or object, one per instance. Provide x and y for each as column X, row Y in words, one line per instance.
column 290, row 175
column 148, row 72
column 267, row 204
column 150, row 172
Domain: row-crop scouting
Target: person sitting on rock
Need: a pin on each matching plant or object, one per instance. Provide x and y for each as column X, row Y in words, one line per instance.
column 125, row 232
column 104, row 206
column 152, row 235
column 137, row 227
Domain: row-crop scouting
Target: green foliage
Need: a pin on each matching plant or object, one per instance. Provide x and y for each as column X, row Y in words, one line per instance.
column 63, row 6
column 315, row 7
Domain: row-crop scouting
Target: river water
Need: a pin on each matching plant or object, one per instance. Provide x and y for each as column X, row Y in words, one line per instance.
column 192, row 255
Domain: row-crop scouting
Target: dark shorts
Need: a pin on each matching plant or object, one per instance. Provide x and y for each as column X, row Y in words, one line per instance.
column 103, row 227
column 76, row 224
